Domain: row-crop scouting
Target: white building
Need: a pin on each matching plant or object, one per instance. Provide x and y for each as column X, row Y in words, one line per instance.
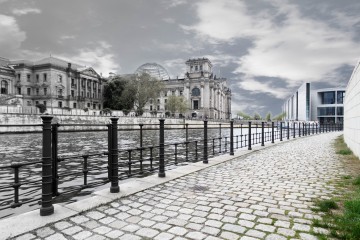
column 322, row 105
column 206, row 95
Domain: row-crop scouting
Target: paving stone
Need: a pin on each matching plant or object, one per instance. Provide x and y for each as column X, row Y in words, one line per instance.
column 245, row 223
column 229, row 235
column 194, row 226
column 164, row 236
column 234, row 228
column 210, row 230
column 95, row 215
column 275, row 237
column 283, row 224
column 146, row 223
column 72, row 230
column 177, row 222
column 79, row 219
column 197, row 219
column 117, row 224
column 248, row 238
column 134, row 219
column 247, row 216
column 301, row 227
column 27, row 236
column 114, row 234
column 131, row 228
column 306, row 236
column 265, row 228
column 255, row 233
column 179, row 231
column 286, row 232
column 195, row 235
column 227, row 219
column 82, row 235
column 56, row 236
column 62, row 225
column 147, row 232
column 129, row 237
column 107, row 220
column 44, row 232
column 265, row 220
column 161, row 226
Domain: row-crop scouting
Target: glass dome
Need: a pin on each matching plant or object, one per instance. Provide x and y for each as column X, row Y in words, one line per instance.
column 153, row 69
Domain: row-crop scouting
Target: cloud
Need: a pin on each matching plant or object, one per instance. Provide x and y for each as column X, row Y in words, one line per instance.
column 285, row 43
column 25, row 11
column 11, row 36
column 174, row 3
column 99, row 57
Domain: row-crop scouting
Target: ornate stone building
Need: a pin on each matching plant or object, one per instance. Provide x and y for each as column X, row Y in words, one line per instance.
column 206, row 95
column 52, row 82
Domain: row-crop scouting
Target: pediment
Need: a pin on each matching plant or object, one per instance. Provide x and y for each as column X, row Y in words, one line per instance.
column 90, row 72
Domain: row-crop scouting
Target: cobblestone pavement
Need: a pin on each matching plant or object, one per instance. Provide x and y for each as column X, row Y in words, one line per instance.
column 265, row 195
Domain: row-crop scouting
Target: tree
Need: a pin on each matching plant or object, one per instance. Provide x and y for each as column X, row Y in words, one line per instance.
column 268, row 116
column 280, row 116
column 145, row 88
column 257, row 116
column 119, row 94
column 244, row 116
column 176, row 104
column 41, row 107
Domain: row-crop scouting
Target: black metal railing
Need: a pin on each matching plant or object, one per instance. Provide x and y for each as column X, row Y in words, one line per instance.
column 118, row 164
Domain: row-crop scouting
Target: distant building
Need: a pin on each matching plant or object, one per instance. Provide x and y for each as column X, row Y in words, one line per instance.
column 52, row 82
column 322, row 105
column 207, row 95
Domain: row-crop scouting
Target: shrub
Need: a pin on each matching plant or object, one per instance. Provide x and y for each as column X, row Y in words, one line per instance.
column 41, row 107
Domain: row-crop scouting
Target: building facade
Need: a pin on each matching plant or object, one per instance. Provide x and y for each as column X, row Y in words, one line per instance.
column 322, row 105
column 52, row 82
column 206, row 95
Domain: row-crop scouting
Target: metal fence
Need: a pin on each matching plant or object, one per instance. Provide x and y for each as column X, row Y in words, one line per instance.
column 117, row 164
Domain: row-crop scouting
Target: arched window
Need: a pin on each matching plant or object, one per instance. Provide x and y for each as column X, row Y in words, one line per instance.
column 4, row 87
column 195, row 91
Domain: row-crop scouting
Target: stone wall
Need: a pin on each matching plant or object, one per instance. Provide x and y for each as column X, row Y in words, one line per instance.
column 352, row 112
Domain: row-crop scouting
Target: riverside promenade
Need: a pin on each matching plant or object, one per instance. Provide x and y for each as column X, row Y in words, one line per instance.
column 265, row 193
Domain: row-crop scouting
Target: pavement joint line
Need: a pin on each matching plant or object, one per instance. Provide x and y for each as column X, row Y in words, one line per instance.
column 32, row 220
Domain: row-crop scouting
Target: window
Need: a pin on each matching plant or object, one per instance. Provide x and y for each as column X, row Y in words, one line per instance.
column 196, row 104
column 59, row 79
column 326, row 111
column 4, row 87
column 28, row 77
column 19, row 91
column 165, row 93
column 327, row 97
column 196, row 68
column 158, row 101
column 151, row 101
column 37, row 78
column 165, row 101
column 181, row 93
column 88, row 105
column 74, row 105
column 37, row 92
column 340, row 111
column 60, row 104
column 19, row 77
column 82, row 94
column 45, row 77
column 60, row 92
column 72, row 93
column 88, row 95
column 93, row 95
column 45, row 91
column 28, row 91
column 151, row 108
column 72, row 82
column 201, row 68
column 94, row 106
column 28, row 103
column 36, row 103
column 158, row 107
column 195, row 92
column 340, row 97
column 191, row 68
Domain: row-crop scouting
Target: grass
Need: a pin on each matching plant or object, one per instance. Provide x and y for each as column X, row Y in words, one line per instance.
column 342, row 215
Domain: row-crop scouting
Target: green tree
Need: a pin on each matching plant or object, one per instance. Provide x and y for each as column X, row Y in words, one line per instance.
column 279, row 117
column 145, row 88
column 244, row 116
column 268, row 116
column 176, row 104
column 257, row 116
column 119, row 94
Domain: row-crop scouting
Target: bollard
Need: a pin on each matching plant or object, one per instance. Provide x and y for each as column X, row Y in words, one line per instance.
column 46, row 196
column 109, row 150
column 85, row 170
column 272, row 133
column 262, row 134
column 54, row 145
column 114, row 188
column 232, row 137
column 187, row 142
column 281, row 131
column 161, row 150
column 249, row 136
column 288, row 131
column 205, row 156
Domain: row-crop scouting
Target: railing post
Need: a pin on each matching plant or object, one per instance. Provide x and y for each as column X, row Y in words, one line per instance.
column 187, row 142
column 161, row 150
column 46, row 197
column 54, row 145
column 231, row 137
column 262, row 134
column 281, row 131
column 299, row 126
column 303, row 129
column 287, row 131
column 294, row 129
column 220, row 138
column 316, row 129
column 109, row 150
column 205, row 156
column 141, row 147
column 114, row 188
column 85, row 169
column 272, row 133
column 249, row 136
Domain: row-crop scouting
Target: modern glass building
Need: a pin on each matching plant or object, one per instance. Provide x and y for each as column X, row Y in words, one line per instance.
column 322, row 105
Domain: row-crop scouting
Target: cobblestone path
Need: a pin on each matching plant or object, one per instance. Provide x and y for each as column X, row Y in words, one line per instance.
column 265, row 195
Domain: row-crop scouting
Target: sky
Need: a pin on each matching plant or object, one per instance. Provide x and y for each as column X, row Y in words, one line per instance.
column 265, row 48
